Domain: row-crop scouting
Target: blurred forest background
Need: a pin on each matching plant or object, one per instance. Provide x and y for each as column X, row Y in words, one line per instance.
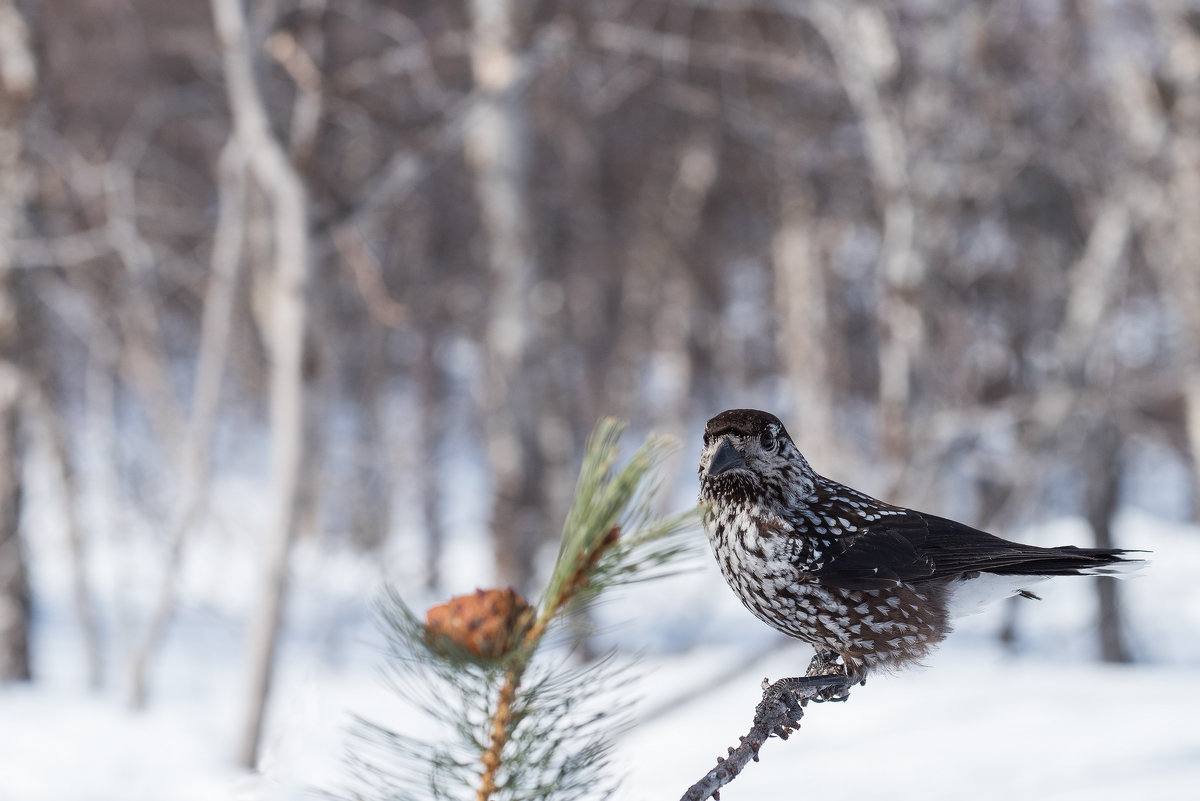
column 345, row 247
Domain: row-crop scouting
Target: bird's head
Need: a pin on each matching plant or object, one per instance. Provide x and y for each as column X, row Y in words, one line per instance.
column 748, row 456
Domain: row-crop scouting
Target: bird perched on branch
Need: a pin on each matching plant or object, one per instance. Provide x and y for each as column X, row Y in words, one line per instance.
column 858, row 578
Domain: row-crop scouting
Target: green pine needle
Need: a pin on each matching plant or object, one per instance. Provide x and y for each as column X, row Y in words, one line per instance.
column 604, row 500
column 559, row 725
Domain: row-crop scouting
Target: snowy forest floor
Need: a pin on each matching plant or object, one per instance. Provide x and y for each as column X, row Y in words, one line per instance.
column 1039, row 720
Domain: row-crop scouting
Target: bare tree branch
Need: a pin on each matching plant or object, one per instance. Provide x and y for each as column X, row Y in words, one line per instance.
column 68, row 250
column 368, row 277
column 778, row 713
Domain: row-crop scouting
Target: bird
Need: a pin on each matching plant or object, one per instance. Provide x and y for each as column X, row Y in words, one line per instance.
column 871, row 586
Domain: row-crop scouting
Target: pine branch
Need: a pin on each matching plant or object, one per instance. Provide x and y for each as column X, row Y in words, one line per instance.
column 778, row 713
column 501, row 724
column 518, row 722
column 502, row 720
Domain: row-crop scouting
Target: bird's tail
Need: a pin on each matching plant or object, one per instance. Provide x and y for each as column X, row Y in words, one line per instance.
column 981, row 589
column 1069, row 560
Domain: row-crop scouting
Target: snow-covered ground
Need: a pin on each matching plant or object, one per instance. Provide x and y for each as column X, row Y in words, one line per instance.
column 1042, row 721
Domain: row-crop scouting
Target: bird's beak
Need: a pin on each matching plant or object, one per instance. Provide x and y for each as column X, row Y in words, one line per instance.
column 725, row 458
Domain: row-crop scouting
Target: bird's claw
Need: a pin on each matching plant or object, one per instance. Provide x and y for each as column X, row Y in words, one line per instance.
column 794, row 693
column 827, row 664
column 784, row 692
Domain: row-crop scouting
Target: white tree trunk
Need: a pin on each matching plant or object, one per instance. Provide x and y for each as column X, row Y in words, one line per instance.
column 1180, row 237
column 215, row 329
column 17, row 83
column 863, row 50
column 802, row 330
column 14, row 580
column 497, row 144
column 286, row 193
column 51, row 426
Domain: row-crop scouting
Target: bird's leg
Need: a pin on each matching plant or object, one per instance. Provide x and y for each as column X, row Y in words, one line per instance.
column 826, row 680
column 793, row 694
column 826, row 664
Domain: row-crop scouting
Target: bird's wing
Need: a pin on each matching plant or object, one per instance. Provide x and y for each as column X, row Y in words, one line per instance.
column 956, row 549
column 910, row 546
column 884, row 553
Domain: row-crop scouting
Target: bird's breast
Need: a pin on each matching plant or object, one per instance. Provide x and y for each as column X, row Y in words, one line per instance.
column 756, row 555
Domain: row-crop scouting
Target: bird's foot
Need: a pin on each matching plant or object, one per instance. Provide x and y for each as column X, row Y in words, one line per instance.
column 828, row 664
column 793, row 693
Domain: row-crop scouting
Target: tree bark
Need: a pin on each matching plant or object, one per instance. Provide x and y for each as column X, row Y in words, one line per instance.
column 855, row 40
column 1103, row 463
column 68, row 483
column 18, row 79
column 285, row 339
column 15, row 601
column 695, row 176
column 497, row 148
column 1180, row 236
column 802, row 332
column 431, row 400
column 215, row 330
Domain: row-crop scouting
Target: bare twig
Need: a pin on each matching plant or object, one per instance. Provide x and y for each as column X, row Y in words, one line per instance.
column 68, row 250
column 778, row 713
column 368, row 277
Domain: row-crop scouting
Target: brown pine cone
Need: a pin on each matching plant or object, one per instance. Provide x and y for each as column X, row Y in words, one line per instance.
column 483, row 623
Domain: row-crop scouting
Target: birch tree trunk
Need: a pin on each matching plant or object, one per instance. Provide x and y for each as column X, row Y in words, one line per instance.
column 696, row 174
column 864, row 51
column 1103, row 466
column 82, row 596
column 1181, row 239
column 431, row 397
column 14, row 580
column 802, row 334
column 285, row 191
column 17, row 83
column 497, row 148
column 210, row 362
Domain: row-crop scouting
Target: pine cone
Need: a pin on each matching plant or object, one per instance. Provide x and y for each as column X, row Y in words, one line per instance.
column 483, row 623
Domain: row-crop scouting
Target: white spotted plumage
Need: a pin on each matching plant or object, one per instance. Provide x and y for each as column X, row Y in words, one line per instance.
column 839, row 569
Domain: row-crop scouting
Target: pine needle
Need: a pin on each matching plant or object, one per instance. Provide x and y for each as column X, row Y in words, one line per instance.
column 525, row 725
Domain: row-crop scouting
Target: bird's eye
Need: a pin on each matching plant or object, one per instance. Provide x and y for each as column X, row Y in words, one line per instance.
column 767, row 440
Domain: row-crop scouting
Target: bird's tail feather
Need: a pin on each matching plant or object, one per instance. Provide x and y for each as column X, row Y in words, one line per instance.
column 977, row 591
column 1069, row 560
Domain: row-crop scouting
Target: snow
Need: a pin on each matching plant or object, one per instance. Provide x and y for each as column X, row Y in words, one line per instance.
column 978, row 724
column 1039, row 721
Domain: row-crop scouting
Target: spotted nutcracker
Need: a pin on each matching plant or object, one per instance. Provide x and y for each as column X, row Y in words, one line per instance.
column 858, row 578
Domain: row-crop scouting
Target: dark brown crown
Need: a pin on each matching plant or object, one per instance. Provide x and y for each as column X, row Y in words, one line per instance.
column 742, row 422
